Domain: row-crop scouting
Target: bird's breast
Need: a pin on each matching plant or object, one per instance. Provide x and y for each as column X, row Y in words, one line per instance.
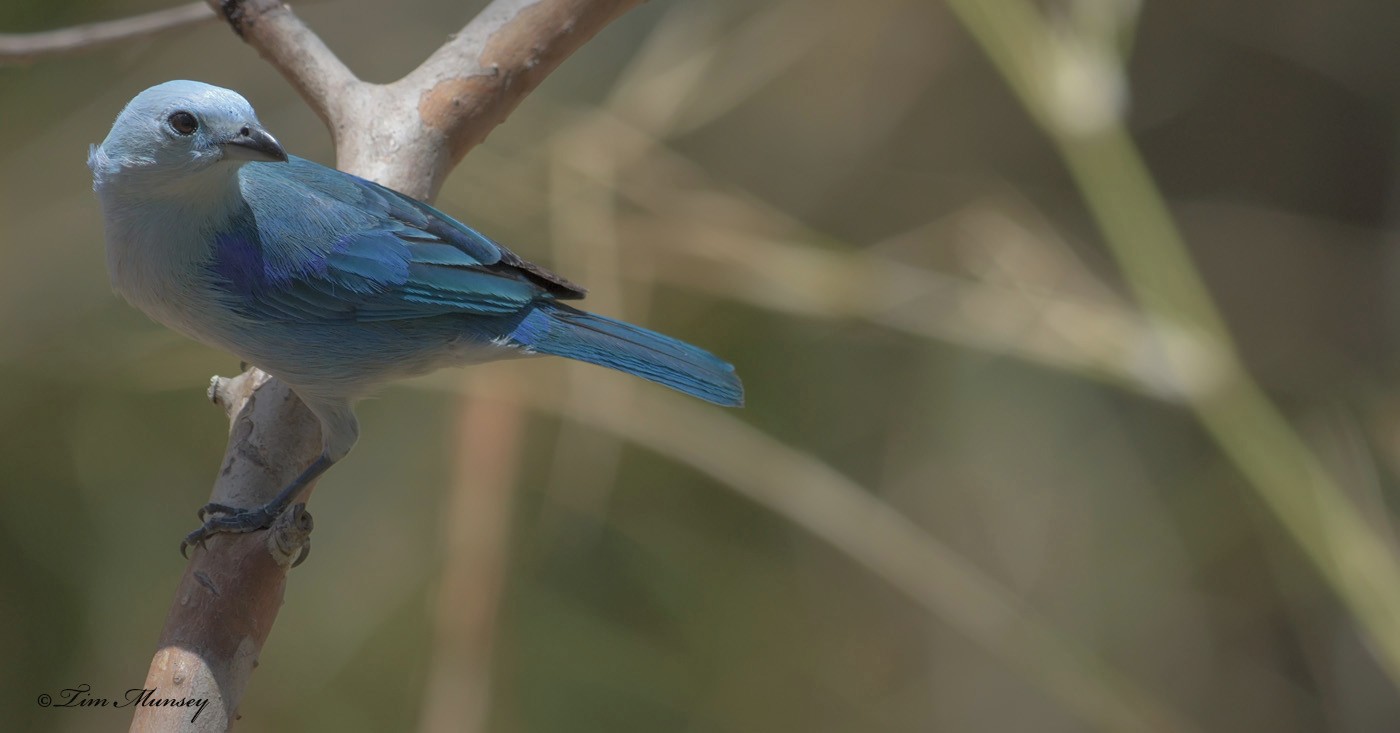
column 157, row 258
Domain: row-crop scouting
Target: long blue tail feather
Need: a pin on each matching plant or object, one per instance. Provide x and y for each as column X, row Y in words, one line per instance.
column 558, row 330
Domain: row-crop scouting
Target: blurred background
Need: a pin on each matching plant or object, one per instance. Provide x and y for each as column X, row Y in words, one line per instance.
column 1003, row 466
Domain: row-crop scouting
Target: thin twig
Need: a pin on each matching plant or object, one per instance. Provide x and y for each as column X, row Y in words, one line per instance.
column 25, row 48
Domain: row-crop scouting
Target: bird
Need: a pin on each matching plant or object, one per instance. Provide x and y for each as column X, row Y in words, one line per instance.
column 329, row 282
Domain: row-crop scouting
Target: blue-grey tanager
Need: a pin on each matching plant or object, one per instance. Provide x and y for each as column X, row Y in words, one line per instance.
column 329, row 282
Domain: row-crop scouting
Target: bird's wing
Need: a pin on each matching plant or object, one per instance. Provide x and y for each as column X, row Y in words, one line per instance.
column 315, row 244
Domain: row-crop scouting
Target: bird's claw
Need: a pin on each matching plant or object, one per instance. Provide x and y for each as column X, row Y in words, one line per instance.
column 213, row 508
column 293, row 529
column 301, row 557
column 221, row 518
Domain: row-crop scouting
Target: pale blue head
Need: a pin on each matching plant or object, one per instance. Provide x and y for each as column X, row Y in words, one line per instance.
column 180, row 128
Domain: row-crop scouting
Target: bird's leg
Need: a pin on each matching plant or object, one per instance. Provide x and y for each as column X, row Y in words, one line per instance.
column 219, row 518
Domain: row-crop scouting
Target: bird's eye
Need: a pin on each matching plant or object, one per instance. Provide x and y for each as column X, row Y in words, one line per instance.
column 184, row 123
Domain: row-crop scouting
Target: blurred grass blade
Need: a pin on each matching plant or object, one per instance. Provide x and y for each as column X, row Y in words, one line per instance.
column 1248, row 428
column 811, row 494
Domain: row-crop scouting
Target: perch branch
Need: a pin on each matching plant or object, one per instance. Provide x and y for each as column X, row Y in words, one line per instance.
column 24, row 48
column 231, row 592
column 232, row 588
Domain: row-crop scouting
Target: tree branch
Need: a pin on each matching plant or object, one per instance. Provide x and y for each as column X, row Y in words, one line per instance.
column 442, row 109
column 470, row 84
column 24, row 48
column 232, row 588
column 228, row 599
column 292, row 48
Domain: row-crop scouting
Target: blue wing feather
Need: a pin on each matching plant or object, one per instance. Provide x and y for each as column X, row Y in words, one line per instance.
column 313, row 243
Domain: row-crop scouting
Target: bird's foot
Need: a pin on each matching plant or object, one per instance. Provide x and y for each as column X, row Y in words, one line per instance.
column 222, row 519
column 205, row 511
column 295, row 522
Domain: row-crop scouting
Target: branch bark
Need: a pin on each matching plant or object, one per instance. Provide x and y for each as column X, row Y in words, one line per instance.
column 24, row 48
column 232, row 589
column 280, row 37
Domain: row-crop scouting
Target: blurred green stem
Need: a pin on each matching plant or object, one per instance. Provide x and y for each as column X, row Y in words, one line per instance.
column 812, row 495
column 1121, row 195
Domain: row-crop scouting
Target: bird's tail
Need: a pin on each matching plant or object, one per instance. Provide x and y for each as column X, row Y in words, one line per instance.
column 558, row 330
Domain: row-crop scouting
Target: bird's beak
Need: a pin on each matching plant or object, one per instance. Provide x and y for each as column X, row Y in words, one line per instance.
column 254, row 143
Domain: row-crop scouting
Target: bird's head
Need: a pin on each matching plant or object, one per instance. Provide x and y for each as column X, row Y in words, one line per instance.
column 182, row 127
